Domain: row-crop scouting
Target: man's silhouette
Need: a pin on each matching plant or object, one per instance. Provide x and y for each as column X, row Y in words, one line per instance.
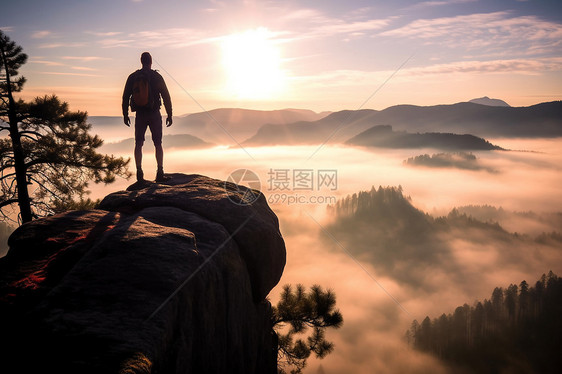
column 149, row 83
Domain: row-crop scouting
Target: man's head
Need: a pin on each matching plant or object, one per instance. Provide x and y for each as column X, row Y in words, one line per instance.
column 146, row 60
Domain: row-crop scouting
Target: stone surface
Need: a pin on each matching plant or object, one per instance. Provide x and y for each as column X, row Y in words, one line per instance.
column 167, row 278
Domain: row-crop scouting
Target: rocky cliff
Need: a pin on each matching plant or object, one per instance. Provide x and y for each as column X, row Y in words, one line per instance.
column 162, row 278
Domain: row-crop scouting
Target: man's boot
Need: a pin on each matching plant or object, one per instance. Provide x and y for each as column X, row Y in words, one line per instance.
column 160, row 175
column 140, row 175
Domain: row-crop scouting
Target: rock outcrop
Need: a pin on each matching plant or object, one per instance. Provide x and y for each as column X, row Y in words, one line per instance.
column 162, row 278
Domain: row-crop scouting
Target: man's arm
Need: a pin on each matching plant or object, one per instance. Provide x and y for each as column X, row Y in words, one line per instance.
column 127, row 92
column 165, row 98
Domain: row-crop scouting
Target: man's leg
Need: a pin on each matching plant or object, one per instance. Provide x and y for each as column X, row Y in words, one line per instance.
column 141, row 123
column 138, row 161
column 156, row 130
column 159, row 156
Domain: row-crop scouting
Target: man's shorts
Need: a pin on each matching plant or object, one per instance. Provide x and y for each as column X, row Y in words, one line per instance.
column 151, row 119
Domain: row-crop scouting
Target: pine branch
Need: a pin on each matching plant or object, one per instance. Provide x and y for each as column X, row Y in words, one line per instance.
column 7, row 202
column 12, row 175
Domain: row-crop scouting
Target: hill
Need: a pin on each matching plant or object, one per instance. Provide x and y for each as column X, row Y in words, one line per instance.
column 487, row 101
column 385, row 137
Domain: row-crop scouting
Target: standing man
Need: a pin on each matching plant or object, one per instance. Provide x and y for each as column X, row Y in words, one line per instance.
column 142, row 91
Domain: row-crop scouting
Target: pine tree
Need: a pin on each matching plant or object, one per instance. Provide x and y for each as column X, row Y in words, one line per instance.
column 49, row 149
column 527, row 325
column 12, row 58
column 300, row 310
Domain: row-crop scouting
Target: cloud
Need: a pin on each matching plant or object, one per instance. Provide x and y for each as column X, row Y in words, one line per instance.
column 70, row 74
column 317, row 24
column 320, row 25
column 41, row 34
column 498, row 29
column 514, row 66
column 59, row 45
column 115, row 43
column 425, row 4
column 341, row 27
column 172, row 37
column 360, row 78
column 39, row 60
column 83, row 68
column 360, row 12
column 45, row 62
column 85, row 58
column 105, row 34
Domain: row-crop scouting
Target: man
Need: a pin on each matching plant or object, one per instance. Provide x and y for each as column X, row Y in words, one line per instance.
column 142, row 91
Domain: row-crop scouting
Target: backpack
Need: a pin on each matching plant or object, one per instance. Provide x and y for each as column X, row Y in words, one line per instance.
column 143, row 96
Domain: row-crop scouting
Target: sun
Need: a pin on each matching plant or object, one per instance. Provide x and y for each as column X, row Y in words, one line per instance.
column 252, row 63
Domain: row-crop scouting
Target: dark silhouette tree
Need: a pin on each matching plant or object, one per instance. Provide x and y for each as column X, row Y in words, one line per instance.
column 296, row 311
column 12, row 58
column 518, row 330
column 523, row 299
column 49, row 149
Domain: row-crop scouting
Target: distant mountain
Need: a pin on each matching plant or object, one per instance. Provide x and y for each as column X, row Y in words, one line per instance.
column 385, row 137
column 211, row 126
column 490, row 102
column 541, row 120
column 336, row 128
column 231, row 125
column 170, row 141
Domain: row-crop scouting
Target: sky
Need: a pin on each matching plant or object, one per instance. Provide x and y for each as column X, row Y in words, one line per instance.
column 319, row 55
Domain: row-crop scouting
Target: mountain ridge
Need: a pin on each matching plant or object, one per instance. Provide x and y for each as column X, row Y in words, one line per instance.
column 539, row 120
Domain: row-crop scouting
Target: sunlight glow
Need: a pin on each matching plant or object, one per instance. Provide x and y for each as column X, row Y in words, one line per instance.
column 252, row 63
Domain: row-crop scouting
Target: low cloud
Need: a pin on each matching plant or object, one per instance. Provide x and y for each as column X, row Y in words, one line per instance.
column 59, row 45
column 45, row 62
column 85, row 58
column 104, row 34
column 41, row 34
column 519, row 34
column 84, row 68
column 320, row 25
column 69, row 74
column 521, row 66
column 429, row 4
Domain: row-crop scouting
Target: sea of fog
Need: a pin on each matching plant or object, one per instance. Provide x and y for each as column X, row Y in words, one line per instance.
column 371, row 339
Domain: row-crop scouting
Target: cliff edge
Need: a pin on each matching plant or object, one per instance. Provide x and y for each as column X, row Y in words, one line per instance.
column 162, row 278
